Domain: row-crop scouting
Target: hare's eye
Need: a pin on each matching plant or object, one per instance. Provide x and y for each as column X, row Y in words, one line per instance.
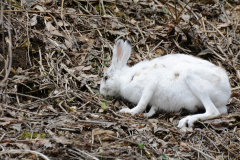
column 106, row 77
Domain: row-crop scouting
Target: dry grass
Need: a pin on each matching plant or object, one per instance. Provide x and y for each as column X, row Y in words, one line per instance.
column 50, row 101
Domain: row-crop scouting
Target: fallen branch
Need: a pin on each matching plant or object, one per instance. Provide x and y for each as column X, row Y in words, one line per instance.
column 24, row 151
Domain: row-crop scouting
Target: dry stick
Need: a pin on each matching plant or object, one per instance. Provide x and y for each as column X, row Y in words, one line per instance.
column 186, row 6
column 2, row 24
column 197, row 15
column 212, row 143
column 116, row 141
column 216, row 137
column 101, row 1
column 2, row 136
column 156, row 46
column 236, row 88
column 97, row 122
column 66, row 69
column 210, row 48
column 39, row 114
column 140, row 31
column 20, row 94
column 60, row 105
column 9, row 48
column 28, row 43
column 204, row 154
column 221, row 50
column 184, row 50
column 206, row 21
column 41, row 68
column 118, row 115
column 234, row 35
column 86, row 154
column 64, row 30
column 80, row 5
column 122, row 139
column 24, row 151
column 30, row 11
column 62, row 9
column 3, row 149
column 234, row 64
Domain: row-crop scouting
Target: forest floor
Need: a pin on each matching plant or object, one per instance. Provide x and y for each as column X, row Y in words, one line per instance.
column 57, row 51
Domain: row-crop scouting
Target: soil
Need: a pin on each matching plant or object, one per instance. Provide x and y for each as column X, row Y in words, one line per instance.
column 50, row 105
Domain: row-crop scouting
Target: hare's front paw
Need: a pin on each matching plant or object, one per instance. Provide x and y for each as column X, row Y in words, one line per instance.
column 189, row 120
column 127, row 110
column 146, row 115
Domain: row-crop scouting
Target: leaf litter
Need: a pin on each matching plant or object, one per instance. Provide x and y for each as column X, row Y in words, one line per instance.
column 50, row 102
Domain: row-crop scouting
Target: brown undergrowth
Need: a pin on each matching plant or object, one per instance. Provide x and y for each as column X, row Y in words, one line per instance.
column 50, row 103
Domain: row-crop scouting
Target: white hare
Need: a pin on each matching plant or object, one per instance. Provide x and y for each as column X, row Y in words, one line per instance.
column 168, row 83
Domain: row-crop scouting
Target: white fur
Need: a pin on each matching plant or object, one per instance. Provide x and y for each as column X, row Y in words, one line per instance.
column 168, row 83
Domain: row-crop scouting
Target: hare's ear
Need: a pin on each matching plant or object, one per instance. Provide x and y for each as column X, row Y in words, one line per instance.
column 121, row 53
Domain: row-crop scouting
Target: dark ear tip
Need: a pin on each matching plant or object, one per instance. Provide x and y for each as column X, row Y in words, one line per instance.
column 129, row 42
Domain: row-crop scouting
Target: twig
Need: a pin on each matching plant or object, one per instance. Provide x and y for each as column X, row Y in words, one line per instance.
column 67, row 70
column 24, row 151
column 156, row 46
column 204, row 154
column 9, row 48
column 86, row 154
column 63, row 13
column 236, row 88
column 28, row 41
column 104, row 12
column 2, row 24
column 216, row 137
column 184, row 50
column 140, row 31
column 206, row 21
column 210, row 48
column 116, row 114
column 3, row 149
column 39, row 114
column 2, row 136
column 60, row 105
column 123, row 139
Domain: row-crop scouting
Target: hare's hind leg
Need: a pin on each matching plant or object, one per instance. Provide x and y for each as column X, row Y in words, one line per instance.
column 222, row 109
column 197, row 86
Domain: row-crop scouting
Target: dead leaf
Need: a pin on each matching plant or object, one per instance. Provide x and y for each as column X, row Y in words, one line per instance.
column 56, row 33
column 39, row 8
column 160, row 129
column 4, row 123
column 45, row 2
column 48, row 145
column 116, row 25
column 68, row 44
column 223, row 25
column 17, row 127
column 133, row 21
column 78, row 68
column 49, row 26
column 186, row 17
column 62, row 23
column 204, row 52
column 183, row 144
column 33, row 20
column 122, row 32
column 100, row 134
column 218, row 124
